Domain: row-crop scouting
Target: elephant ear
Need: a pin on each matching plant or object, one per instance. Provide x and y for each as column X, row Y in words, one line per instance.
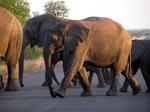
column 78, row 31
column 58, row 29
column 75, row 34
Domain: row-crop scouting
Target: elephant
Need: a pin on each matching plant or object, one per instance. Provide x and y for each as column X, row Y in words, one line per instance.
column 34, row 33
column 101, row 43
column 140, row 59
column 11, row 37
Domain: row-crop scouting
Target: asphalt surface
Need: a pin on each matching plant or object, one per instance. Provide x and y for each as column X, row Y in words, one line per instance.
column 34, row 98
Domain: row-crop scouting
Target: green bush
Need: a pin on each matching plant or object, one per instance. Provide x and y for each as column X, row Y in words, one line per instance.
column 33, row 53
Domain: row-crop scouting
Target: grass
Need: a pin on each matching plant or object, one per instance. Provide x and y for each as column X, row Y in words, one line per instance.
column 33, row 62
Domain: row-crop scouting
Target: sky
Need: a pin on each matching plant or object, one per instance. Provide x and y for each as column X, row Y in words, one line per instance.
column 132, row 14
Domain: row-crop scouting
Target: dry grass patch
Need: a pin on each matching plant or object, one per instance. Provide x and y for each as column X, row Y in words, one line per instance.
column 30, row 66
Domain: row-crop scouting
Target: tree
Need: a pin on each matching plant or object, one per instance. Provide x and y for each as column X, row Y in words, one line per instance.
column 56, row 8
column 20, row 8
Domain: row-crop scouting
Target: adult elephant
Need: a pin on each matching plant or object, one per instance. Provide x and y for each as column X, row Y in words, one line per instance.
column 140, row 59
column 33, row 34
column 11, row 36
column 102, row 43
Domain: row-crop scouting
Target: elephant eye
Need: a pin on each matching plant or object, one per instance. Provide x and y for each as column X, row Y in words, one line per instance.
column 54, row 39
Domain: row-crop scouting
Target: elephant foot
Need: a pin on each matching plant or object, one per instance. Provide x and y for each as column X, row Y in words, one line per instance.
column 86, row 93
column 147, row 91
column 22, row 85
column 101, row 85
column 112, row 92
column 11, row 88
column 1, row 86
column 53, row 94
column 60, row 94
column 136, row 90
column 123, row 90
column 45, row 84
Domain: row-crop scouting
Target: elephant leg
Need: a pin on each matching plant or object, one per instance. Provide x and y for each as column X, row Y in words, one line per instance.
column 85, row 83
column 92, row 69
column 55, row 59
column 113, row 88
column 101, row 81
column 45, row 83
column 146, row 76
column 132, row 81
column 135, row 67
column 91, row 74
column 107, row 75
column 54, row 77
column 124, row 88
column 75, row 80
column 50, row 84
column 1, row 82
column 67, row 78
column 11, row 82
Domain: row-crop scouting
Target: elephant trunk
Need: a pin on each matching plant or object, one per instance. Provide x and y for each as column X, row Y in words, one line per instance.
column 47, row 54
column 21, row 61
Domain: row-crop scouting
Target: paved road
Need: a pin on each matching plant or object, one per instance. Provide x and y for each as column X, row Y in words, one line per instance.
column 34, row 98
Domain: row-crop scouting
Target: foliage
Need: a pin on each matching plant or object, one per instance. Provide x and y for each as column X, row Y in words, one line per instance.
column 33, row 53
column 56, row 8
column 20, row 8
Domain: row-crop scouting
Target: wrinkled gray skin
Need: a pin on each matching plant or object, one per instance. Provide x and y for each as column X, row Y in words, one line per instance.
column 75, row 44
column 33, row 34
column 140, row 59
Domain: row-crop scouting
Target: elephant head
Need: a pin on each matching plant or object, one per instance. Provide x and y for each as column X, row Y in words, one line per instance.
column 60, row 38
column 33, row 33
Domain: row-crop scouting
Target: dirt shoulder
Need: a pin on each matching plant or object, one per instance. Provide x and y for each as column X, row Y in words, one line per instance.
column 30, row 66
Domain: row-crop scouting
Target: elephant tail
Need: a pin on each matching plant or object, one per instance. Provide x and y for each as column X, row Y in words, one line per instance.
column 130, row 63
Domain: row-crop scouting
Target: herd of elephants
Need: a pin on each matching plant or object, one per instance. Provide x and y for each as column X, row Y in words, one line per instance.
column 91, row 44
